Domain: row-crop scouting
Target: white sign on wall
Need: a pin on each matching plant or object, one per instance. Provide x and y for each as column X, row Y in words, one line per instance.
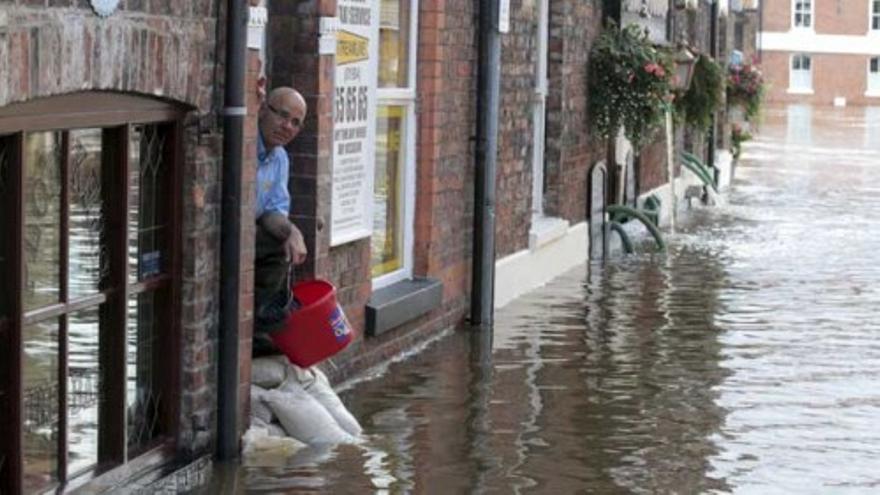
column 354, row 116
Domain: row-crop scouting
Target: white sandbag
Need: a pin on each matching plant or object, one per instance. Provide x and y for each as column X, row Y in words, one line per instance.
column 269, row 372
column 275, row 430
column 321, row 390
column 257, row 441
column 303, row 417
column 259, row 409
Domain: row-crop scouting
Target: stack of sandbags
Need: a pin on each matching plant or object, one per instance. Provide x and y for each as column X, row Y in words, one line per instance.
column 287, row 400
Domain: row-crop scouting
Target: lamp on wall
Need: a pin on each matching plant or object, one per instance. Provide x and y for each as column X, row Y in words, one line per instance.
column 684, row 68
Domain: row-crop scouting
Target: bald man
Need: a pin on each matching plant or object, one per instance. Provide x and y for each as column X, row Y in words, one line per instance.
column 279, row 242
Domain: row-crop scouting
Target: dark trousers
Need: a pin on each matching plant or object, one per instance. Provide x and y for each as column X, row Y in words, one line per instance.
column 271, row 270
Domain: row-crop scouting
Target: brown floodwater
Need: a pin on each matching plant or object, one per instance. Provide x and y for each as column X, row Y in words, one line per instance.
column 746, row 359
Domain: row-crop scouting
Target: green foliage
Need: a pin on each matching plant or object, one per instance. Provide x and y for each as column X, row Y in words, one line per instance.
column 629, row 81
column 745, row 86
column 704, row 97
column 738, row 136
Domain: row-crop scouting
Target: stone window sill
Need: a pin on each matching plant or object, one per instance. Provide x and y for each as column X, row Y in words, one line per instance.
column 546, row 230
column 797, row 91
column 398, row 303
column 873, row 94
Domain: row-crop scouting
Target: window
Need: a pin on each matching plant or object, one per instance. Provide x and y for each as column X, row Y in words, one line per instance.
column 394, row 184
column 87, row 310
column 801, row 74
column 874, row 76
column 875, row 15
column 802, row 14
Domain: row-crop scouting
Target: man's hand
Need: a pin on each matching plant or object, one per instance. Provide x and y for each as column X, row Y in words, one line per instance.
column 288, row 234
column 295, row 247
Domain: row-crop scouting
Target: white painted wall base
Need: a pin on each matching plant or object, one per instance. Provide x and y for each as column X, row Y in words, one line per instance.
column 531, row 268
column 724, row 162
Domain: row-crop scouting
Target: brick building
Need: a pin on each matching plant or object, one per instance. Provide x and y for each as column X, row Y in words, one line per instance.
column 111, row 187
column 820, row 51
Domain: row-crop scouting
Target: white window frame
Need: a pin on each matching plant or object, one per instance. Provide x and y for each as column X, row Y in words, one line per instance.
column 405, row 97
column 873, row 81
column 811, row 13
column 873, row 15
column 796, row 77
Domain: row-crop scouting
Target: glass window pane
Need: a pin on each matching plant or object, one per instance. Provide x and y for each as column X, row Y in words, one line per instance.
column 147, row 219
column 42, row 218
column 388, row 212
column 805, row 63
column 875, row 64
column 143, row 392
column 85, row 212
column 82, row 390
column 394, row 37
column 40, row 385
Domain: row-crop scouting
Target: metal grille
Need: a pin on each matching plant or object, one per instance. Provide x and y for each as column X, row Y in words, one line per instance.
column 41, row 401
column 148, row 192
column 144, row 393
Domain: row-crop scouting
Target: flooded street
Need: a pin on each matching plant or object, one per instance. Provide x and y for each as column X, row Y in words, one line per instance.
column 744, row 360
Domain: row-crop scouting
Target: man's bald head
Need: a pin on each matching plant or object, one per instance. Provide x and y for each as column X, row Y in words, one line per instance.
column 282, row 115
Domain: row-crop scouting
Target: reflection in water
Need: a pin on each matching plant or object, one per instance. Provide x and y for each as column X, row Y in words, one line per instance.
column 746, row 359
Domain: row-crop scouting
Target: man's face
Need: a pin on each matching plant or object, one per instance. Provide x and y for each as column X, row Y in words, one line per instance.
column 281, row 119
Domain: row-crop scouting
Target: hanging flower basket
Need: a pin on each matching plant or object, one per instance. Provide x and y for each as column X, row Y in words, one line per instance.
column 745, row 88
column 629, row 83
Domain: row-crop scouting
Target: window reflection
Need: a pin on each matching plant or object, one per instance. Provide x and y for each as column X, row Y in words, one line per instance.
column 387, row 240
column 84, row 252
column 394, row 36
column 82, row 390
column 40, row 418
column 42, row 222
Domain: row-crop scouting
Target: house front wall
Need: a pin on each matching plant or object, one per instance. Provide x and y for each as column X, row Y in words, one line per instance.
column 840, row 45
column 167, row 52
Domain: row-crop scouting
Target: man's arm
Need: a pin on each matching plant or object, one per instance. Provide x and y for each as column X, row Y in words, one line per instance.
column 279, row 227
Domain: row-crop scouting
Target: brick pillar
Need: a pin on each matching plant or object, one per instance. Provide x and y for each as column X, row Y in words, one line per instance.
column 293, row 48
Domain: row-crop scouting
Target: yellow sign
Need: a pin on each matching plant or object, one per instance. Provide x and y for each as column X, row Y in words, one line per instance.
column 351, row 48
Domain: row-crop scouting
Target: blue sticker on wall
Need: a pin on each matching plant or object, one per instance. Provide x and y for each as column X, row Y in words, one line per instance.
column 151, row 264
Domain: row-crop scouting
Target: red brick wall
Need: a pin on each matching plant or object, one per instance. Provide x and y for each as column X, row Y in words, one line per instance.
column 444, row 205
column 849, row 17
column 833, row 75
column 570, row 147
column 831, row 17
column 163, row 49
column 514, row 184
column 777, row 15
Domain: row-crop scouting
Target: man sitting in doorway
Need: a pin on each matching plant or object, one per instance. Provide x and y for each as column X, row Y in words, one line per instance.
column 279, row 243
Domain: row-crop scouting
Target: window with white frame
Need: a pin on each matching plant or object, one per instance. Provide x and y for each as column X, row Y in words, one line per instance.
column 802, row 14
column 874, row 76
column 875, row 15
column 801, row 73
column 394, row 189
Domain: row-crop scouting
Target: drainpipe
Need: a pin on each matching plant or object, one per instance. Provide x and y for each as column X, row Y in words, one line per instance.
column 713, row 50
column 234, row 113
column 483, row 284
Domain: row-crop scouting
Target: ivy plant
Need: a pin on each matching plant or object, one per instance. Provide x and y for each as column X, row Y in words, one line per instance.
column 704, row 96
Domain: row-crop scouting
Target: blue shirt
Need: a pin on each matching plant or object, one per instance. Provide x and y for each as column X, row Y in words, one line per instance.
column 272, row 171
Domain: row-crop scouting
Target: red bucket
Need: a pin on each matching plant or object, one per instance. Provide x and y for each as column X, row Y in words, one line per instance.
column 318, row 329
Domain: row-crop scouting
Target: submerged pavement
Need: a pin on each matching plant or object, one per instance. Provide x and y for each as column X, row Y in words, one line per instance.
column 744, row 360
